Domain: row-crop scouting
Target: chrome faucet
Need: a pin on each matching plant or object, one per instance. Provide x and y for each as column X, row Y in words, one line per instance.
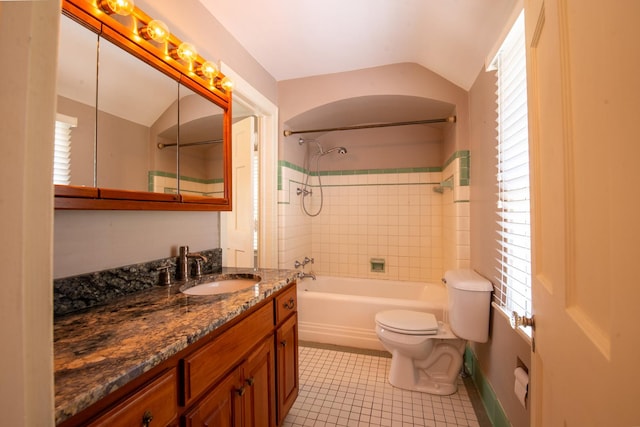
column 182, row 270
column 303, row 275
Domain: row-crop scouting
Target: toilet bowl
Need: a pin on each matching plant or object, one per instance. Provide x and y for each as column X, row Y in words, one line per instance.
column 426, row 355
column 422, row 361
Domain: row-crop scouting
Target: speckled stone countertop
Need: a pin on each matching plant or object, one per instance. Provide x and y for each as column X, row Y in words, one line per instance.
column 101, row 349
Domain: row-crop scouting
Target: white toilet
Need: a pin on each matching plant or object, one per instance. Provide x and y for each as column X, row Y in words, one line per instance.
column 427, row 354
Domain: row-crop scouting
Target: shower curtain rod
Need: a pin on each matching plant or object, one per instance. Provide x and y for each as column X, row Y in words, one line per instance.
column 211, row 141
column 450, row 119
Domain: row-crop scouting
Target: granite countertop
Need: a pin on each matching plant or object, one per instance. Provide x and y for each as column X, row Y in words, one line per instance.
column 99, row 350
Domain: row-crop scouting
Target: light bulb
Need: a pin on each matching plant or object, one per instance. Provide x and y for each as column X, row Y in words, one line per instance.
column 208, row 70
column 156, row 30
column 121, row 7
column 225, row 84
column 187, row 52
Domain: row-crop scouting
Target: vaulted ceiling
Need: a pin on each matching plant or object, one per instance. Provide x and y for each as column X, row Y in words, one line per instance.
column 301, row 38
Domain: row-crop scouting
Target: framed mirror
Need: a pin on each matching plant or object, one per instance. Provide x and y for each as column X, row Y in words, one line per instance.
column 146, row 131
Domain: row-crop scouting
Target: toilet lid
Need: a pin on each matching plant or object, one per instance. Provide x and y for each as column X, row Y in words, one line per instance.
column 408, row 322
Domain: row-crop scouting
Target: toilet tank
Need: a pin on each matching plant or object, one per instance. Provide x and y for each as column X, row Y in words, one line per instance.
column 469, row 304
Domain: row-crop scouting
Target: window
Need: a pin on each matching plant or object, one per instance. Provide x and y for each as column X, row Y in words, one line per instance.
column 62, row 149
column 514, row 255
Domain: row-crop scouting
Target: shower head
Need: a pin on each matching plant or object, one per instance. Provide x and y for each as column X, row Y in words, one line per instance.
column 340, row 150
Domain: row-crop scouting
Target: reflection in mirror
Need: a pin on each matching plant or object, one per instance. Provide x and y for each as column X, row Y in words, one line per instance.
column 136, row 102
column 76, row 111
column 199, row 134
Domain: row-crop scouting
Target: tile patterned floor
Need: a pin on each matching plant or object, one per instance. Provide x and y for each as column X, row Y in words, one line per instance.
column 343, row 388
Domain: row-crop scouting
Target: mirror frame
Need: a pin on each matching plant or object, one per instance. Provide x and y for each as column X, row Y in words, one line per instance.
column 90, row 16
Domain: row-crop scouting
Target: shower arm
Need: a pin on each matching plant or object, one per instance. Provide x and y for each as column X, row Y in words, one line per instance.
column 450, row 119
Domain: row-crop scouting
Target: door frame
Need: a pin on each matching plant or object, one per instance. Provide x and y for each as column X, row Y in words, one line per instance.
column 266, row 113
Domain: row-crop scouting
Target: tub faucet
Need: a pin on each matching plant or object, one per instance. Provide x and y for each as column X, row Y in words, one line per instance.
column 303, row 275
column 182, row 270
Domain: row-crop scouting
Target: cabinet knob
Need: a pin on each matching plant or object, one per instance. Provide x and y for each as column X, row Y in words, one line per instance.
column 283, row 343
column 147, row 417
column 240, row 391
column 289, row 305
column 250, row 381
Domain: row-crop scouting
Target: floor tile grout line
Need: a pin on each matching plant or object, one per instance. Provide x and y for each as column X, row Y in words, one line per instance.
column 353, row 373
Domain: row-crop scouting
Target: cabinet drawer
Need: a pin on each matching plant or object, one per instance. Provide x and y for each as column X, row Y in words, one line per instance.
column 286, row 304
column 207, row 365
column 157, row 401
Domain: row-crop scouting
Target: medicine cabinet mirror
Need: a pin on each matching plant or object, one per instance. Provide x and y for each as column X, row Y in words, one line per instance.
column 146, row 132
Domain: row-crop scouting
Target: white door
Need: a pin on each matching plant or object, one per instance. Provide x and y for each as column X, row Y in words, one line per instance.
column 584, row 106
column 237, row 226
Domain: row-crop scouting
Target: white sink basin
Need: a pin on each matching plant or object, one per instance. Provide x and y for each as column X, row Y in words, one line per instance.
column 223, row 286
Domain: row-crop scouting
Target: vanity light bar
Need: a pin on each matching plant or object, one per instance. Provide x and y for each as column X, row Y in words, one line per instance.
column 154, row 30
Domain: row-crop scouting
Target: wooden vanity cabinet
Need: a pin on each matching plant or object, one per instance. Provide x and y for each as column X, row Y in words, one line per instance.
column 244, row 398
column 206, row 366
column 287, row 351
column 244, row 376
column 263, row 384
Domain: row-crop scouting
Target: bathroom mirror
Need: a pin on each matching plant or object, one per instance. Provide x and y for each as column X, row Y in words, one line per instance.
column 196, row 141
column 129, row 149
column 77, row 87
column 135, row 102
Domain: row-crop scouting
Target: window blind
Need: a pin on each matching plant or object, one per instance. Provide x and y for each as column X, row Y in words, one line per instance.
column 62, row 149
column 514, row 236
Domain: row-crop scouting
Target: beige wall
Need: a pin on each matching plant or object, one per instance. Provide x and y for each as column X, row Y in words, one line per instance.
column 300, row 95
column 498, row 358
column 123, row 153
column 392, row 147
column 28, row 36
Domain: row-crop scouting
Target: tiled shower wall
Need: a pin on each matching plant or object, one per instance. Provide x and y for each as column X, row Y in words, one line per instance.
column 391, row 214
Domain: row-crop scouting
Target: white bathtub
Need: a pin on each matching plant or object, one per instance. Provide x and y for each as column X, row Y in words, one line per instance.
column 341, row 311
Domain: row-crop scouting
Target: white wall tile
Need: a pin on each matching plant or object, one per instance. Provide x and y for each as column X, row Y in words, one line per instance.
column 393, row 216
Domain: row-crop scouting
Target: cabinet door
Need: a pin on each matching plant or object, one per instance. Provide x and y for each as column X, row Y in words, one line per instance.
column 287, row 373
column 222, row 407
column 259, row 374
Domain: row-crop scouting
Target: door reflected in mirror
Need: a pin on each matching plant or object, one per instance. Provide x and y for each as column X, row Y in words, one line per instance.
column 200, row 136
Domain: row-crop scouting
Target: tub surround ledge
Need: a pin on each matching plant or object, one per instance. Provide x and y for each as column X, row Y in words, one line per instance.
column 98, row 350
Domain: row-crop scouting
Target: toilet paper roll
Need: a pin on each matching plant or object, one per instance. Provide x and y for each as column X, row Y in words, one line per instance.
column 521, row 386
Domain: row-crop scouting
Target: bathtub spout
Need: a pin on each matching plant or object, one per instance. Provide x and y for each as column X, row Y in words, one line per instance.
column 303, row 275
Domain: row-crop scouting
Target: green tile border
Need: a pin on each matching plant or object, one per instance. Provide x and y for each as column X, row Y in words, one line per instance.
column 492, row 405
column 153, row 174
column 465, row 161
column 463, row 155
column 460, row 154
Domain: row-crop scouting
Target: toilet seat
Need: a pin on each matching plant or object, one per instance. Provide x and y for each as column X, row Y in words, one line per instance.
column 408, row 322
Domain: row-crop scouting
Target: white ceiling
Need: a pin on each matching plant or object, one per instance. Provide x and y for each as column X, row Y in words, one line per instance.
column 301, row 38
